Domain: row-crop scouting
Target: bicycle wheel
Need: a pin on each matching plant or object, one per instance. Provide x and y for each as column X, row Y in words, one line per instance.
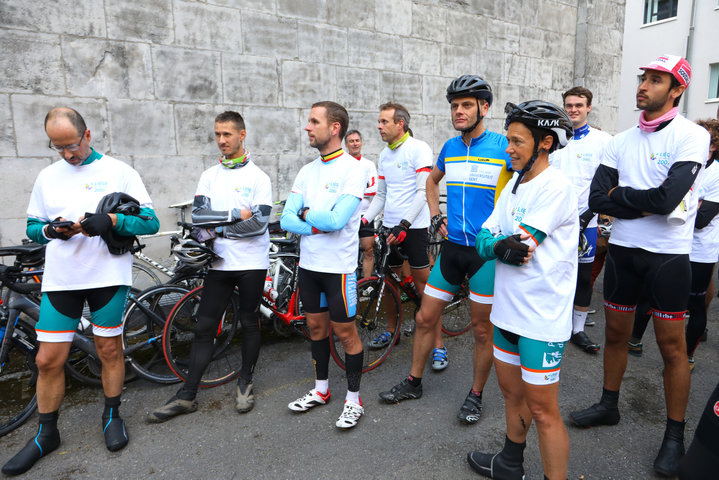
column 17, row 384
column 376, row 299
column 179, row 333
column 85, row 368
column 188, row 280
column 143, row 278
column 456, row 317
column 142, row 332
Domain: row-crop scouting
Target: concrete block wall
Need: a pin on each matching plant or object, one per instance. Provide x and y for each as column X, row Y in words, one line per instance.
column 150, row 75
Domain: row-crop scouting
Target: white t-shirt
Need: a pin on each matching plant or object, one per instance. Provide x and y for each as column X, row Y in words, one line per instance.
column 399, row 169
column 578, row 161
column 62, row 190
column 242, row 187
column 643, row 161
column 321, row 186
column 535, row 300
column 371, row 185
column 705, row 245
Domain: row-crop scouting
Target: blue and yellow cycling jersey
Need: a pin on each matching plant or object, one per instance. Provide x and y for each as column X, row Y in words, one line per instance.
column 475, row 176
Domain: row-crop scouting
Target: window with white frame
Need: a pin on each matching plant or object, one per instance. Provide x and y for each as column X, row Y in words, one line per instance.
column 655, row 10
column 713, row 81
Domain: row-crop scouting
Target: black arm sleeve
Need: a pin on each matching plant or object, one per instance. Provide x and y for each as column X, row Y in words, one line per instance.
column 202, row 212
column 606, row 178
column 664, row 198
column 706, row 213
column 253, row 226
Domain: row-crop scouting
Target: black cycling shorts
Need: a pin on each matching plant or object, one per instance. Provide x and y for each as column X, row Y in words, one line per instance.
column 333, row 292
column 414, row 248
column 665, row 277
column 366, row 230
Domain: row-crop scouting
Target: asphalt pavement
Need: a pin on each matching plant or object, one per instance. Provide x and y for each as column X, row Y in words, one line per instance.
column 416, row 439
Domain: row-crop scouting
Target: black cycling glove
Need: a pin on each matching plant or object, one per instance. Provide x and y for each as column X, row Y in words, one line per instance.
column 50, row 232
column 510, row 250
column 437, row 222
column 400, row 230
column 96, row 224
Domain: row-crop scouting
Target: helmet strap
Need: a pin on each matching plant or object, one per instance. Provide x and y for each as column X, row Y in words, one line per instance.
column 479, row 119
column 526, row 168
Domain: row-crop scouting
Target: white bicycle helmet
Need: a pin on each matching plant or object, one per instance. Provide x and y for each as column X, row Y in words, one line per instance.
column 192, row 253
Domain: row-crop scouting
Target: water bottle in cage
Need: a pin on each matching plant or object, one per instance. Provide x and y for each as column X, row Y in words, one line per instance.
column 269, row 288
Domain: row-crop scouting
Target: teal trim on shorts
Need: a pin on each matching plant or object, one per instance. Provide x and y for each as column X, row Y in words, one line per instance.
column 110, row 316
column 481, row 283
column 52, row 321
column 534, row 355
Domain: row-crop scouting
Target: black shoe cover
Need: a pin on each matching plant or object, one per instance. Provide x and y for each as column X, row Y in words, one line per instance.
column 595, row 415
column 670, row 453
column 494, row 466
column 35, row 449
column 115, row 433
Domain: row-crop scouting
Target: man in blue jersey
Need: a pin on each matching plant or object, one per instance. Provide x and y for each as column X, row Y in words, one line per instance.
column 476, row 168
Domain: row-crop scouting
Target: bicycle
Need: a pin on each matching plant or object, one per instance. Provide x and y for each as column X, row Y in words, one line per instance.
column 279, row 306
column 379, row 307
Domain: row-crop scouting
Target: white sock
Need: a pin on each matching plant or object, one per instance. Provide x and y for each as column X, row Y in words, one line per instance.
column 322, row 386
column 352, row 397
column 578, row 321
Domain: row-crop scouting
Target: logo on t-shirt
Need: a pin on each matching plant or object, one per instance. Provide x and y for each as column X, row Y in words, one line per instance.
column 332, row 187
column 244, row 191
column 584, row 156
column 403, row 165
column 661, row 159
column 98, row 187
column 518, row 214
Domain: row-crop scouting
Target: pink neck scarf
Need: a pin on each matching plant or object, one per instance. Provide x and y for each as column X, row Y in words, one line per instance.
column 651, row 125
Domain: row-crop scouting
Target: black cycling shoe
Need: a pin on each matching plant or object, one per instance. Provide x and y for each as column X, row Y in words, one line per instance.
column 581, row 339
column 401, row 391
column 669, row 456
column 471, row 409
column 115, row 433
column 495, row 466
column 595, row 415
column 36, row 448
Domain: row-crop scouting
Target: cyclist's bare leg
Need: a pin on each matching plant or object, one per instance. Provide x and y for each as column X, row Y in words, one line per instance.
column 483, row 331
column 50, row 361
column 543, row 404
column 672, row 345
column 427, row 319
column 367, row 244
column 347, row 334
column 420, row 277
column 109, row 349
column 319, row 325
column 618, row 329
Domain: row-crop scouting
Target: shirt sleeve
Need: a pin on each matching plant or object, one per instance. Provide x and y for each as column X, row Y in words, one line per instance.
column 371, row 185
column 423, row 160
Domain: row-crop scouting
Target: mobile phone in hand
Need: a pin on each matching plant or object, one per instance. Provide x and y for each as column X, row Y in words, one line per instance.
column 61, row 223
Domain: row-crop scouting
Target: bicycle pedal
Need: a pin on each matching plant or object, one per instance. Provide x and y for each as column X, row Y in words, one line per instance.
column 298, row 323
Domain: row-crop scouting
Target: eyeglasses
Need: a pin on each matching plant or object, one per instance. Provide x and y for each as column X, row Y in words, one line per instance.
column 70, row 148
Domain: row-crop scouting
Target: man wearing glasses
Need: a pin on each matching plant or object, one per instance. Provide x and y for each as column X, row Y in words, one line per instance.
column 79, row 269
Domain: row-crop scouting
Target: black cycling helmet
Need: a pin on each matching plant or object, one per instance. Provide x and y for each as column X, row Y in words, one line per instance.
column 469, row 86
column 542, row 118
column 541, row 115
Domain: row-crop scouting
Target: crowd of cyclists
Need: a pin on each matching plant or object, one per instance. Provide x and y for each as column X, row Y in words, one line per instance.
column 520, row 227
